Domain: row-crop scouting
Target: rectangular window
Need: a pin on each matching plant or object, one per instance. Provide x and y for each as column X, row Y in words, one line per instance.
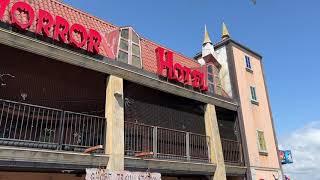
column 253, row 93
column 125, row 33
column 248, row 62
column 124, row 45
column 210, row 78
column 135, row 50
column 136, row 61
column 261, row 142
column 123, row 56
column 129, row 48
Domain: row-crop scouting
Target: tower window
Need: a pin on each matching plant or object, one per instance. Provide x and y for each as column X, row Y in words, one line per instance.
column 248, row 62
column 210, row 78
column 261, row 142
column 253, row 94
column 129, row 47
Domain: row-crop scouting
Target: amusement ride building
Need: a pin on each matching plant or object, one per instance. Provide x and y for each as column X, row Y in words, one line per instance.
column 80, row 93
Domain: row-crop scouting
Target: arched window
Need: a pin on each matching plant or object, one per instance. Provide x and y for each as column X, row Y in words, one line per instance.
column 129, row 50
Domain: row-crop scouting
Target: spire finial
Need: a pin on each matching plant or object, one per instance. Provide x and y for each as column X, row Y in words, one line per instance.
column 206, row 36
column 225, row 32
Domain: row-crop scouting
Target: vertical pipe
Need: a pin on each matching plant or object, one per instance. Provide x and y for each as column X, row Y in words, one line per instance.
column 86, row 132
column 70, row 132
column 40, row 131
column 94, row 132
column 50, row 129
column 56, row 120
column 61, row 131
column 188, row 145
column 155, row 141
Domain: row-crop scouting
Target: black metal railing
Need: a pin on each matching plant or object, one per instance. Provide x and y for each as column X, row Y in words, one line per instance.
column 232, row 152
column 32, row 126
column 163, row 143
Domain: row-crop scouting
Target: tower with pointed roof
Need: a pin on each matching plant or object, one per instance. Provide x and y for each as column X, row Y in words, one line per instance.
column 225, row 32
column 207, row 46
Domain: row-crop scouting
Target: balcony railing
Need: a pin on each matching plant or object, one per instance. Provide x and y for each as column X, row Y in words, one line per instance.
column 232, row 151
column 163, row 143
column 32, row 126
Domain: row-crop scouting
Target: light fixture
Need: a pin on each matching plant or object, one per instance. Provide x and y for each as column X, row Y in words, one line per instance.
column 24, row 95
column 118, row 94
column 2, row 79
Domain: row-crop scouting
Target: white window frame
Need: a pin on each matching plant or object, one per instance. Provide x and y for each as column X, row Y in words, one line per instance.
column 249, row 69
column 130, row 45
column 212, row 76
column 254, row 101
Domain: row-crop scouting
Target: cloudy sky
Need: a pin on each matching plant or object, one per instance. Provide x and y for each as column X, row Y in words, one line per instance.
column 305, row 146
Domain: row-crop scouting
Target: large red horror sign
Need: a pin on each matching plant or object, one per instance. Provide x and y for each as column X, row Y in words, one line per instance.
column 22, row 15
column 177, row 72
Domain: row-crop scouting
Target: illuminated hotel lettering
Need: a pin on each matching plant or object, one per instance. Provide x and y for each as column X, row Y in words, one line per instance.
column 75, row 34
column 177, row 72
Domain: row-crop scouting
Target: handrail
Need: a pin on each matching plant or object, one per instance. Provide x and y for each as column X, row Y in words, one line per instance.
column 35, row 126
column 165, row 143
column 141, row 124
column 232, row 151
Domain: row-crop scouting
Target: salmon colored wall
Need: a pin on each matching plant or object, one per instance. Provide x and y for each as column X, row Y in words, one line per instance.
column 256, row 117
column 37, row 176
column 266, row 175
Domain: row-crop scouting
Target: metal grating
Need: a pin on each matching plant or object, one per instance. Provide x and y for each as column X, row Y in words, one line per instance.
column 149, row 106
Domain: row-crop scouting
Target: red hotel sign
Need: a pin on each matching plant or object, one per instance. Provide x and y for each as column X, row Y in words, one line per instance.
column 179, row 73
column 76, row 34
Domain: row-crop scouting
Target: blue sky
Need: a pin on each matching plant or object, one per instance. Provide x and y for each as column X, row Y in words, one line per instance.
column 285, row 32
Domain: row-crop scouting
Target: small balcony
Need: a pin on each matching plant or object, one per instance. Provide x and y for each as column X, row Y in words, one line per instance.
column 232, row 152
column 31, row 132
column 162, row 143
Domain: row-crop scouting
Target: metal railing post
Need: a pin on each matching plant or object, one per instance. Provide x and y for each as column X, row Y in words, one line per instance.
column 188, row 145
column 155, row 141
column 61, row 128
column 240, row 154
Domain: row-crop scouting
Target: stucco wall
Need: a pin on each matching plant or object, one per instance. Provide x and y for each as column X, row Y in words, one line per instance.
column 256, row 117
column 224, row 72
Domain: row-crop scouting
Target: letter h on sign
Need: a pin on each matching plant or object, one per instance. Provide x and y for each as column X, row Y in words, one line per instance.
column 165, row 62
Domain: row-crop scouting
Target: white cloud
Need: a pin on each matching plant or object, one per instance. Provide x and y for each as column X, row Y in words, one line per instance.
column 305, row 146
